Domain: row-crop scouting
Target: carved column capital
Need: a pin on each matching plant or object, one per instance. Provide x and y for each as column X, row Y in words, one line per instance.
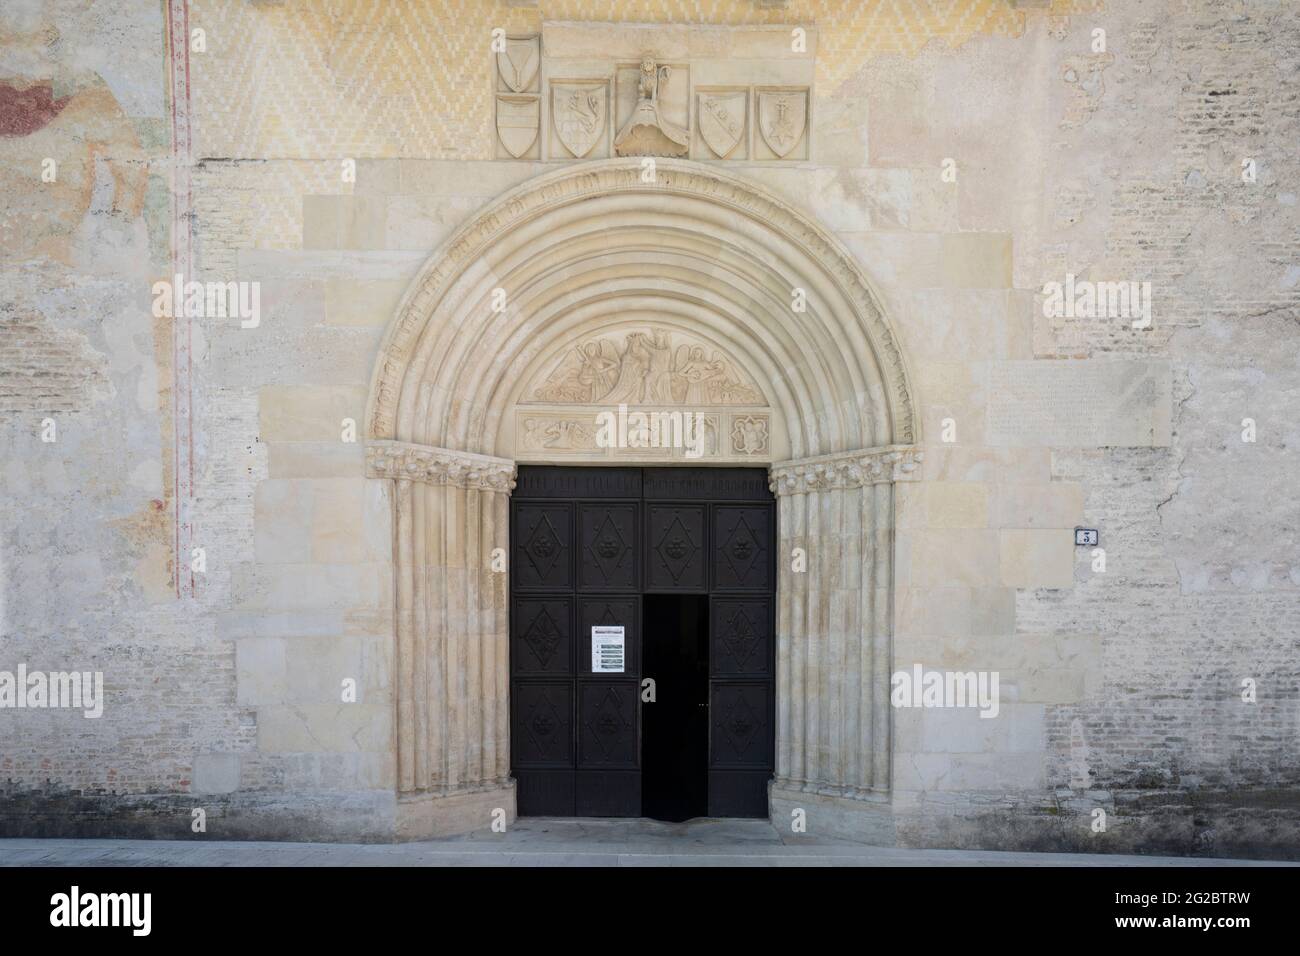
column 852, row 469
column 439, row 466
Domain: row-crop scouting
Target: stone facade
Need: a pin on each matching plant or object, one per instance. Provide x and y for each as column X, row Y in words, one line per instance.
column 276, row 539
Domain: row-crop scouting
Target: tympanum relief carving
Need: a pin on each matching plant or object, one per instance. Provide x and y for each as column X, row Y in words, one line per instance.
column 651, row 366
column 605, row 381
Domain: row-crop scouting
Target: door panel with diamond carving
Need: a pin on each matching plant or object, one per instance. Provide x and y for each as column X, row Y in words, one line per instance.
column 740, row 747
column 675, row 547
column 587, row 545
column 607, row 725
column 740, row 637
column 740, row 718
column 542, row 641
column 543, row 725
column 543, row 553
column 742, row 548
column 608, row 537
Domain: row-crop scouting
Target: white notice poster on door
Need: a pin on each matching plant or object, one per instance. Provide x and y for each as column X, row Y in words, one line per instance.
column 607, row 649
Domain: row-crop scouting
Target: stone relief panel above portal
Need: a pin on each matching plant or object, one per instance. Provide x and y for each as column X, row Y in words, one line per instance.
column 648, row 365
column 581, row 91
column 640, row 393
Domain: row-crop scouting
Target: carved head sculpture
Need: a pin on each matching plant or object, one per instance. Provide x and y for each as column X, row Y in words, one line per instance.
column 648, row 76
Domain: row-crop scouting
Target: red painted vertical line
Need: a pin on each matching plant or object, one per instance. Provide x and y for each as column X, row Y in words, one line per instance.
column 178, row 31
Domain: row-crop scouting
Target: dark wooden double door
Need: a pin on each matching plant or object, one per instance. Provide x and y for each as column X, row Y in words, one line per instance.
column 683, row 560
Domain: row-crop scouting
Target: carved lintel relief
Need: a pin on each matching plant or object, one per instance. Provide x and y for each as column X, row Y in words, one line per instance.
column 543, row 431
column 554, row 434
column 710, row 436
column 749, row 434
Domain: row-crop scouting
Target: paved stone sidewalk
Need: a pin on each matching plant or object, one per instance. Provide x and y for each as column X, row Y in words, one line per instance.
column 559, row 842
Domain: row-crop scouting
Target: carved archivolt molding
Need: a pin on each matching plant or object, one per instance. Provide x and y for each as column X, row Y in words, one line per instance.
column 857, row 469
column 438, row 466
column 428, row 301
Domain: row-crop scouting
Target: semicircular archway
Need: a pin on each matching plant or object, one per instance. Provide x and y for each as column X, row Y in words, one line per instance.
column 754, row 270
column 663, row 284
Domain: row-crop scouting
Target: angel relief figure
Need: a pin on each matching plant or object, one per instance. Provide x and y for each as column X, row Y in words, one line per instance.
column 599, row 368
column 694, row 373
column 583, row 376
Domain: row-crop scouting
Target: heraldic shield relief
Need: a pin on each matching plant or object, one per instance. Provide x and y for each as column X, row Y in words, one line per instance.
column 579, row 115
column 519, row 62
column 599, row 105
column 781, row 119
column 517, row 122
column 722, row 121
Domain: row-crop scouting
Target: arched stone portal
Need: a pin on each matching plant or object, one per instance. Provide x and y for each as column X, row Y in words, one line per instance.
column 600, row 249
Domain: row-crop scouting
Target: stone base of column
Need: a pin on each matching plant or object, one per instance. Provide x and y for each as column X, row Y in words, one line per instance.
column 868, row 820
column 426, row 816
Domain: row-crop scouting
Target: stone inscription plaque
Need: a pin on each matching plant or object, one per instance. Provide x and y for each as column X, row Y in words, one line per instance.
column 1079, row 404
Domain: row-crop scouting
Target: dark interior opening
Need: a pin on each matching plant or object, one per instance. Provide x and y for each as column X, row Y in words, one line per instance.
column 675, row 734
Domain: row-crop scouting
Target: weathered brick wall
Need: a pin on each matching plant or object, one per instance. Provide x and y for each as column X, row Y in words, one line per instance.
column 1200, row 591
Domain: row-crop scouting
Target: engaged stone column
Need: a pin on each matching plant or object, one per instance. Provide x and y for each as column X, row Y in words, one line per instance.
column 835, row 639
column 452, row 657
